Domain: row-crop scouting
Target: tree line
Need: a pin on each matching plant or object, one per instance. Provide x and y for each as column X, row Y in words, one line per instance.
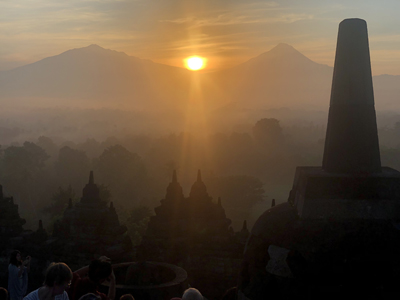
column 133, row 171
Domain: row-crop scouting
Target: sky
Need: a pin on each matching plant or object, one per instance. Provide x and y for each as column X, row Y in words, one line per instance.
column 226, row 32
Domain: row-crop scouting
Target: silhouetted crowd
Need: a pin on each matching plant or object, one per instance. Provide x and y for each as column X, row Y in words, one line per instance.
column 61, row 283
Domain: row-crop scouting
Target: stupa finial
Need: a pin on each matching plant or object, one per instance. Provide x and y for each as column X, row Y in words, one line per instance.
column 91, row 178
column 199, row 175
column 174, row 177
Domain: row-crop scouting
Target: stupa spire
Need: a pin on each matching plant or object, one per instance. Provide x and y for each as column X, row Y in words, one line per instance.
column 198, row 175
column 174, row 189
column 91, row 192
column 91, row 178
column 351, row 144
column 198, row 189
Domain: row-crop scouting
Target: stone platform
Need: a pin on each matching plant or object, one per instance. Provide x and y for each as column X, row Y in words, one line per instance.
column 318, row 194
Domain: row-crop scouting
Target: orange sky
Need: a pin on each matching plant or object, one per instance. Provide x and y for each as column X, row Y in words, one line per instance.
column 227, row 32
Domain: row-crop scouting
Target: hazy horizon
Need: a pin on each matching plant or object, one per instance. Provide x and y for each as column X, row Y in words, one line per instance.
column 226, row 33
column 106, row 105
column 91, row 86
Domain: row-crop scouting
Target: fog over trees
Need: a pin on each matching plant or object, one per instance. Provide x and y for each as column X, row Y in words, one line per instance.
column 251, row 127
column 246, row 167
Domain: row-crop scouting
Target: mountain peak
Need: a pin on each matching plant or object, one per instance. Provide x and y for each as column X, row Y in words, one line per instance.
column 283, row 47
column 281, row 52
column 94, row 46
column 95, row 49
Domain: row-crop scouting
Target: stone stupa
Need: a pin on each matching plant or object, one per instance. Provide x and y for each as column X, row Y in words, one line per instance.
column 338, row 234
column 91, row 226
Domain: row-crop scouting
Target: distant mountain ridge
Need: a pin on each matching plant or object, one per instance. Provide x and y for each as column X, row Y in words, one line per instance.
column 281, row 77
column 92, row 73
column 279, row 53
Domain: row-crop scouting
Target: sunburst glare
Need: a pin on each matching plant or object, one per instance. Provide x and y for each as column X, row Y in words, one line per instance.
column 195, row 63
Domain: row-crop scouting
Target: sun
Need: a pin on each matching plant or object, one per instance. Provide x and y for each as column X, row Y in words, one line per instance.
column 195, row 63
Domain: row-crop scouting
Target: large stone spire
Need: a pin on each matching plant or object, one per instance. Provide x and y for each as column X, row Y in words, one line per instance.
column 351, row 144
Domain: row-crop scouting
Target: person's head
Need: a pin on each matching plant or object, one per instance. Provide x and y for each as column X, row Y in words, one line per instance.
column 58, row 276
column 230, row 294
column 3, row 294
column 99, row 271
column 192, row 294
column 126, row 297
column 90, row 296
column 15, row 258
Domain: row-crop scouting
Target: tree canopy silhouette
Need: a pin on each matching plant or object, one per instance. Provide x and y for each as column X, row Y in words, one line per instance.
column 123, row 172
column 267, row 132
